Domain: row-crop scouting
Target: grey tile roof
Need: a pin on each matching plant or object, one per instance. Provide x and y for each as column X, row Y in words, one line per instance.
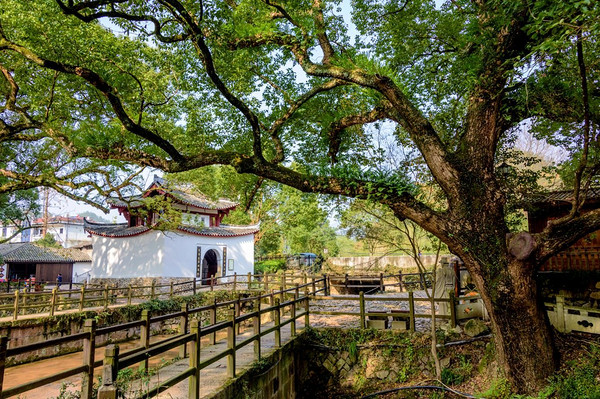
column 113, row 230
column 122, row 230
column 179, row 194
column 592, row 194
column 31, row 253
column 74, row 254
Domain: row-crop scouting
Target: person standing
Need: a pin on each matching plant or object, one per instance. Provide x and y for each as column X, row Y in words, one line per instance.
column 59, row 280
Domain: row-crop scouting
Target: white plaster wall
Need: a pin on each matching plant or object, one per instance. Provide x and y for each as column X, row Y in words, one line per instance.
column 72, row 234
column 180, row 253
column 168, row 254
column 137, row 256
column 80, row 271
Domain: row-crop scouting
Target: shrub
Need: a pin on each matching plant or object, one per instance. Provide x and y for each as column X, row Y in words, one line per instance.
column 269, row 266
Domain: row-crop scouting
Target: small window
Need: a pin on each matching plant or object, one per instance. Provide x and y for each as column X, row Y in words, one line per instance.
column 4, row 232
column 61, row 230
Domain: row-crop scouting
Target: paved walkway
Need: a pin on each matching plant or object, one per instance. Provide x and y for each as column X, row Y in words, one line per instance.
column 212, row 377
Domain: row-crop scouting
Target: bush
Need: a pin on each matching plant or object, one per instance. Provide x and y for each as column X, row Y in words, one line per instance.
column 269, row 266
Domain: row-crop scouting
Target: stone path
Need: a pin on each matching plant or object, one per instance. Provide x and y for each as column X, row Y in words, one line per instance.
column 211, row 378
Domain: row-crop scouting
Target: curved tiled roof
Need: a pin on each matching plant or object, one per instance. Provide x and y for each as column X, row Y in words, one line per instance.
column 30, row 253
column 123, row 230
column 223, row 230
column 567, row 195
column 113, row 230
column 179, row 194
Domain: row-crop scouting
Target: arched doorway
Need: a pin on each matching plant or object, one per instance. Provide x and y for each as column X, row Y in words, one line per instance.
column 210, row 265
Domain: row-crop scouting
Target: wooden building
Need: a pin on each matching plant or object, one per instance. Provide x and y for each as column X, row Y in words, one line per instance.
column 584, row 255
column 24, row 260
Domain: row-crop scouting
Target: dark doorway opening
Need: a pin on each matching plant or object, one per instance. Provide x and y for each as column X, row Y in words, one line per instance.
column 209, row 266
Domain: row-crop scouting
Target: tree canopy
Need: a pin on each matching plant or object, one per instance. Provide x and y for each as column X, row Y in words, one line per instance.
column 92, row 86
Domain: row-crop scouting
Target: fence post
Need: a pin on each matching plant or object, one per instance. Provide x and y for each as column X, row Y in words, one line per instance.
column 25, row 294
column 16, row 311
column 70, row 288
column 194, row 382
column 105, row 296
column 183, row 327
column 400, row 281
column 325, row 285
column 231, row 344
column 283, row 282
column 304, row 278
column 129, row 289
column 272, row 303
column 3, row 345
column 266, row 287
column 153, row 289
column 234, row 281
column 82, row 298
column 53, row 301
column 411, row 309
column 238, row 311
column 280, row 282
column 171, row 291
column 212, row 283
column 277, row 323
column 194, row 285
column 145, row 337
column 381, row 286
column 306, row 306
column 560, row 314
column 212, row 338
column 256, row 329
column 363, row 321
column 249, row 279
column 293, row 312
column 422, row 279
column 89, row 349
column 452, row 309
column 314, row 285
column 109, row 389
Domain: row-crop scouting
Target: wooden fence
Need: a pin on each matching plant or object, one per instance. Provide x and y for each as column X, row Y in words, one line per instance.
column 291, row 297
column 89, row 296
column 279, row 302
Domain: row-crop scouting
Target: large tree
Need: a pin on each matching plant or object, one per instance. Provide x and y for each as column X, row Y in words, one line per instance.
column 260, row 85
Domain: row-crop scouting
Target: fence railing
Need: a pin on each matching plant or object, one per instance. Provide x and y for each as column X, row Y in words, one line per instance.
column 28, row 301
column 408, row 316
column 282, row 294
column 403, row 281
column 190, row 331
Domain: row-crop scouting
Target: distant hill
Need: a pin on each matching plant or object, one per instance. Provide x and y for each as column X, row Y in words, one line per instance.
column 94, row 217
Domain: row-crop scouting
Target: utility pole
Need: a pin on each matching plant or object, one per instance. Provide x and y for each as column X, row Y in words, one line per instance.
column 46, row 202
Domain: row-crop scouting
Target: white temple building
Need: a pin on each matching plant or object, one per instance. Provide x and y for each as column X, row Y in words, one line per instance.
column 200, row 247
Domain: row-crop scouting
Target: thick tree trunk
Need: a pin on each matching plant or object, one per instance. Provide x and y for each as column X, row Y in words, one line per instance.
column 522, row 334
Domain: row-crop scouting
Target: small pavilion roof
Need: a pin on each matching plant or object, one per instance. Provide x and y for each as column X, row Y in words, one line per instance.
column 123, row 230
column 180, row 194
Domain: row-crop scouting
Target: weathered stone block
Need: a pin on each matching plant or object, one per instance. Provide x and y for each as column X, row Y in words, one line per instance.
column 476, row 327
column 401, row 325
column 377, row 324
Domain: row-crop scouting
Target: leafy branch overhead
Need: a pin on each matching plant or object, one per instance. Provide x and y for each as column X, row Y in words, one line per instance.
column 281, row 91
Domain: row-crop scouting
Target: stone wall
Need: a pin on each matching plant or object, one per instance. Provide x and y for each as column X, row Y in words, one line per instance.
column 274, row 377
column 375, row 264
